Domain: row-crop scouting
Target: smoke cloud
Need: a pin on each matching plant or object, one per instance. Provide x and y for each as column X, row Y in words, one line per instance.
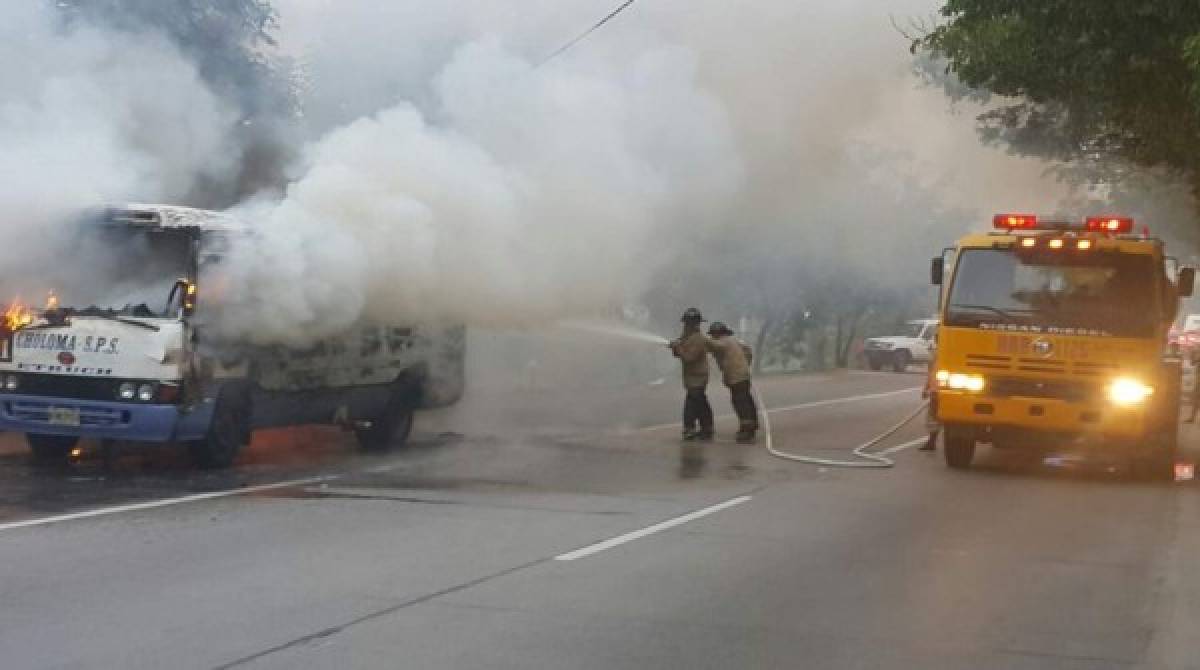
column 516, row 195
column 89, row 116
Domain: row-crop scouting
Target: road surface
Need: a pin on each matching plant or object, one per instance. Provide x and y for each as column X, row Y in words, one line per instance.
column 577, row 533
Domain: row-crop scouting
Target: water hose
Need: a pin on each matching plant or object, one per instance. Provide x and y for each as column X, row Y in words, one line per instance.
column 871, row 459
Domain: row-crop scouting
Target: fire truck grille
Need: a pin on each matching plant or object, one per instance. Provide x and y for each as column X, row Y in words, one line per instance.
column 1064, row 389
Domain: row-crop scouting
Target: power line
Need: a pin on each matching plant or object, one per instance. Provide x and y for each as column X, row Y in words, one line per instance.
column 582, row 36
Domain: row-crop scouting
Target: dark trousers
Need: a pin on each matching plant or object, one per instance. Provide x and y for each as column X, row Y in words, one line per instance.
column 743, row 404
column 697, row 411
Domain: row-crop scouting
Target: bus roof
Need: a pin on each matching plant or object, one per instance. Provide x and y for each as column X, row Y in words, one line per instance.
column 172, row 217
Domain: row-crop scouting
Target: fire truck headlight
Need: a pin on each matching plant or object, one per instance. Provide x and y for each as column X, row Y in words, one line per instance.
column 126, row 391
column 1127, row 392
column 145, row 392
column 960, row 382
column 12, row 383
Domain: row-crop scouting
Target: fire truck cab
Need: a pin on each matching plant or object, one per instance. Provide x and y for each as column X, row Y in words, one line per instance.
column 1055, row 332
column 122, row 350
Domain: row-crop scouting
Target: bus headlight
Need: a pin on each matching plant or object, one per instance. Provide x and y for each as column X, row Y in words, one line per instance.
column 1127, row 392
column 126, row 391
column 12, row 382
column 146, row 392
column 959, row 381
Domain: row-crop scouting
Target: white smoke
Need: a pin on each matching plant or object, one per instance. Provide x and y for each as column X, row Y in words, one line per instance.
column 90, row 116
column 518, row 195
column 453, row 179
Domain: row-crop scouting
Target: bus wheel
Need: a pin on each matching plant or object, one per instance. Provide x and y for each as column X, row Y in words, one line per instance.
column 959, row 450
column 875, row 362
column 393, row 427
column 228, row 432
column 900, row 360
column 52, row 450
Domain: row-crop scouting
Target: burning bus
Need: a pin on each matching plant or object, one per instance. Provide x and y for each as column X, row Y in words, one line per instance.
column 117, row 348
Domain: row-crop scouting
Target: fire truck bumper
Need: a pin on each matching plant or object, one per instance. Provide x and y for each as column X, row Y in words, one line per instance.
column 1020, row 416
column 90, row 418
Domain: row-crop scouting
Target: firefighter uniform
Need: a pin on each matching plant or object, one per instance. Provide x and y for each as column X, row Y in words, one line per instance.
column 692, row 351
column 734, row 362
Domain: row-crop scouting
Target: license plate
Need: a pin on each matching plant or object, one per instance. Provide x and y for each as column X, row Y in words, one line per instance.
column 64, row 416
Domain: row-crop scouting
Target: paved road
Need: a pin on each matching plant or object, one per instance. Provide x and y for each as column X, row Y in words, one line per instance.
column 576, row 539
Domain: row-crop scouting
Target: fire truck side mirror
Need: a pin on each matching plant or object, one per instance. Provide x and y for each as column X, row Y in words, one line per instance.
column 1186, row 284
column 936, row 268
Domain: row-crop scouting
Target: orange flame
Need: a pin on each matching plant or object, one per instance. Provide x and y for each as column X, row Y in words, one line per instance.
column 17, row 316
column 51, row 300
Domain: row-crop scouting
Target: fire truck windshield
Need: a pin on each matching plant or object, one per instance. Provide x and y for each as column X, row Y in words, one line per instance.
column 1109, row 293
column 106, row 269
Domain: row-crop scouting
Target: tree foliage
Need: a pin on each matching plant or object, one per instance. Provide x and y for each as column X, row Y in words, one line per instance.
column 1087, row 79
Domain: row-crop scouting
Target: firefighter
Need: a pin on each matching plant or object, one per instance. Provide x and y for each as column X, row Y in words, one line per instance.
column 692, row 351
column 733, row 358
column 931, row 422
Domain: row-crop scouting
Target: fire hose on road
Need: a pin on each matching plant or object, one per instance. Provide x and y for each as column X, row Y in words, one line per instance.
column 870, row 459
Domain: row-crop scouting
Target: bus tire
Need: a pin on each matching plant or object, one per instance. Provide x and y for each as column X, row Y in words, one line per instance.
column 393, row 427
column 900, row 360
column 228, row 431
column 52, row 450
column 959, row 450
column 875, row 363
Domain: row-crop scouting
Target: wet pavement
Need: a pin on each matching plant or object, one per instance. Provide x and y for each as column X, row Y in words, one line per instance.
column 449, row 553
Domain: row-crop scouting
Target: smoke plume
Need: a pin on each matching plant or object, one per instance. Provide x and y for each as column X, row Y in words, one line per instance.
column 90, row 116
column 516, row 195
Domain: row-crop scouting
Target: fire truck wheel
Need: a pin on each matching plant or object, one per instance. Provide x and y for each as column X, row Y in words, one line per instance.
column 393, row 428
column 51, row 449
column 959, row 450
column 900, row 360
column 1159, row 464
column 228, row 432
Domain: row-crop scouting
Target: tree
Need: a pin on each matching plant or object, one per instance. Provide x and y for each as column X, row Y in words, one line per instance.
column 1086, row 80
column 230, row 43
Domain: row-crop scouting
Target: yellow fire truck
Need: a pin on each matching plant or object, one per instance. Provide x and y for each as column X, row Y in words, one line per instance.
column 1055, row 332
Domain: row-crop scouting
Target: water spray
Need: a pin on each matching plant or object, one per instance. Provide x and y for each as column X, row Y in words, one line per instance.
column 870, row 459
column 616, row 330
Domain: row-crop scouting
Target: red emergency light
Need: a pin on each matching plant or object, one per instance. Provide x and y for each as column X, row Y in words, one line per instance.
column 1109, row 224
column 1015, row 221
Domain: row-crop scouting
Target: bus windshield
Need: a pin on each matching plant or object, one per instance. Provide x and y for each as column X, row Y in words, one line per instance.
column 1103, row 293
column 106, row 269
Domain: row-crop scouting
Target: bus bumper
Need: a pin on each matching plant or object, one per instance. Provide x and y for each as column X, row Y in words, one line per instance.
column 91, row 418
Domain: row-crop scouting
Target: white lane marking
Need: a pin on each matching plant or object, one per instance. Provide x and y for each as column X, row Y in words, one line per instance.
column 650, row 530
column 166, row 502
column 805, row 405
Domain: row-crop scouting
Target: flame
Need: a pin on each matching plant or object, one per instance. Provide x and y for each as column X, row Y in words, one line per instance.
column 17, row 316
column 51, row 300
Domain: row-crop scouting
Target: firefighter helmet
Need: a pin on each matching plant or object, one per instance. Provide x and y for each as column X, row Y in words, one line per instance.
column 719, row 328
column 692, row 315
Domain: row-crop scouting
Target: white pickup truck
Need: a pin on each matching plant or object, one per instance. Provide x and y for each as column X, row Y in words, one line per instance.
column 898, row 351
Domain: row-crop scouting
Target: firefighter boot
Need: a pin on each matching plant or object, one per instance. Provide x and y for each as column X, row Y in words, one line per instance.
column 930, row 444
